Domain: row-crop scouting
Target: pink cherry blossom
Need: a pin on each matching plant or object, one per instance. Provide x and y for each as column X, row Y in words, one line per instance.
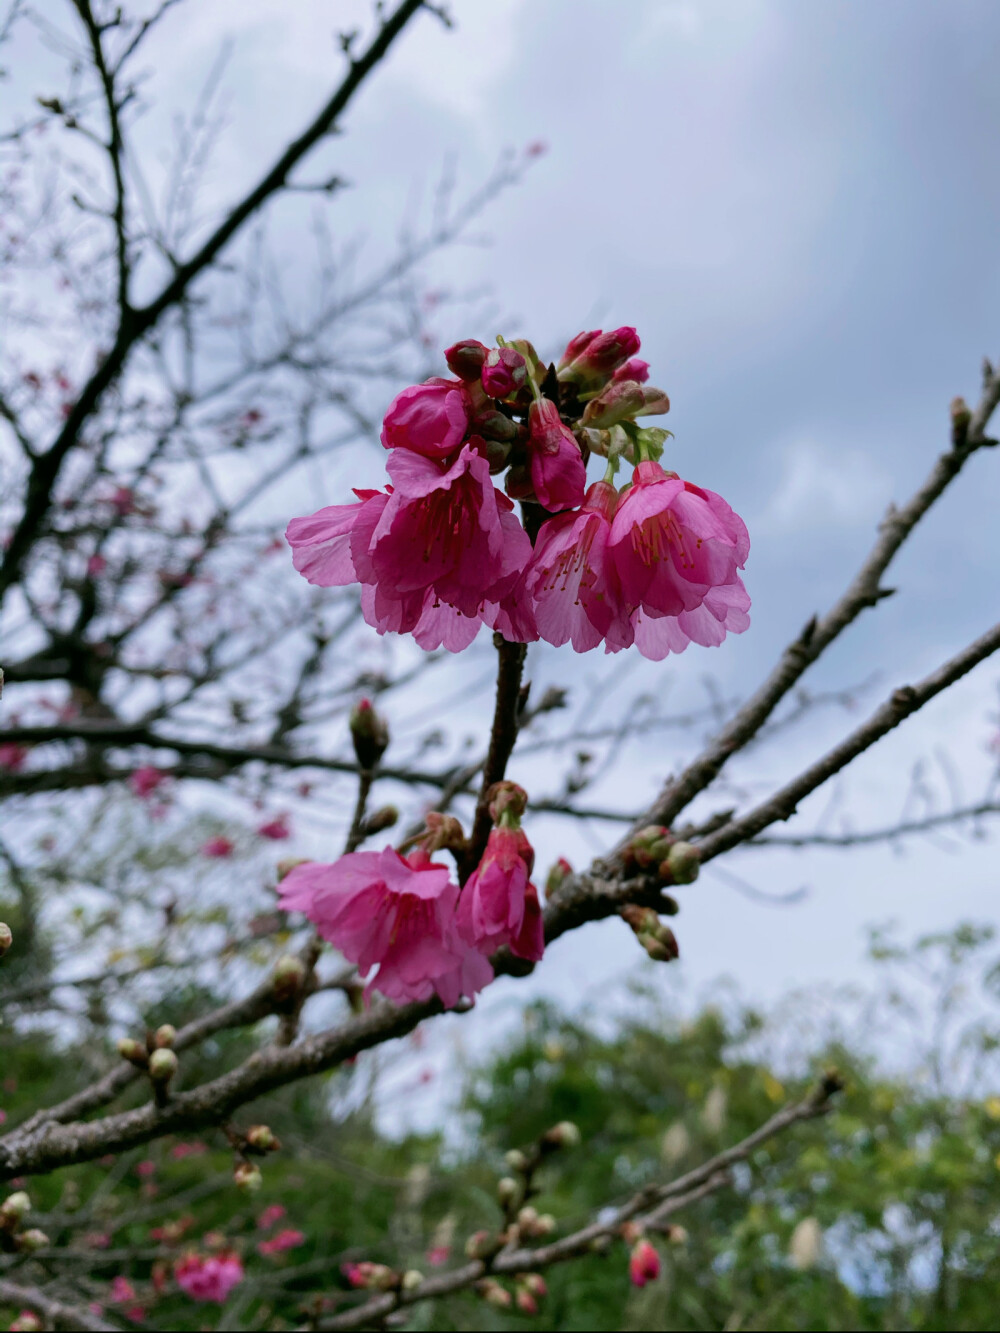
column 209, row 1278
column 181, row 1150
column 144, row 781
column 671, row 544
column 12, row 756
column 379, row 909
column 438, row 1255
column 430, row 419
column 288, row 1239
column 277, row 829
column 643, row 1264
column 218, row 846
column 558, row 474
column 274, row 1212
column 122, row 1290
column 96, row 565
column 491, row 909
column 446, row 530
column 321, row 543
column 570, row 581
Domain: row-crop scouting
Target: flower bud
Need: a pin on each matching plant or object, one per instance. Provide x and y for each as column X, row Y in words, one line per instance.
column 30, row 1241
column 591, row 359
column 479, row 1244
column 465, row 359
column 369, row 733
column 635, row 369
column 14, row 1209
column 27, row 1322
column 644, row 1263
column 6, row 938
column 412, row 1279
column 381, row 819
column 444, row 832
column 496, row 427
column 650, row 845
column 545, row 1225
column 527, row 1219
column 961, row 415
column 165, row 1035
column 496, row 452
column 507, row 1190
column 621, row 401
column 676, row 1235
column 262, row 1139
column 133, row 1051
column 288, row 863
column 507, row 798
column 162, row 1065
column 563, row 1135
column 526, row 1303
column 684, row 861
column 557, row 876
column 516, row 1159
column 536, row 369
column 493, row 1294
column 662, row 946
column 288, row 975
column 533, row 1282
column 247, row 1177
column 654, row 403
column 504, row 372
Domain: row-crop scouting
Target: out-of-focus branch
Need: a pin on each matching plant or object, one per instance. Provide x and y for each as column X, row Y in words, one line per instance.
column 653, row 1204
column 864, row 591
column 900, row 705
column 135, row 324
column 863, row 837
column 57, row 1313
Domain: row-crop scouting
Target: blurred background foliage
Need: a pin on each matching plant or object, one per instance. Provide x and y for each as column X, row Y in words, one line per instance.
column 885, row 1215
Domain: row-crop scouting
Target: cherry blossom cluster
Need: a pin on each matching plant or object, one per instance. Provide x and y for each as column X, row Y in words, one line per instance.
column 440, row 551
column 401, row 912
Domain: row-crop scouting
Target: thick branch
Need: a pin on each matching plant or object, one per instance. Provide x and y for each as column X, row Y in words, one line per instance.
column 55, row 1312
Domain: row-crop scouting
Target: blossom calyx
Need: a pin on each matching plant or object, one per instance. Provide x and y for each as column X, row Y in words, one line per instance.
column 507, row 798
column 162, row 1065
column 465, row 359
column 684, row 862
column 6, row 938
column 369, row 733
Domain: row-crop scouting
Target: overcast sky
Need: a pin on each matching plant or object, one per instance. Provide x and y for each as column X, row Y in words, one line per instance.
column 798, row 207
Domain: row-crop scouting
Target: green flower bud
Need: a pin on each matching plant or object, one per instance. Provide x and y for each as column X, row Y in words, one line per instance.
column 165, row 1036
column 162, row 1065
column 684, row 861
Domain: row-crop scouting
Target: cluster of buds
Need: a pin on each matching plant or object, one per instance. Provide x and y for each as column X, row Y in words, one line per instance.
column 655, row 850
column 533, row 1225
column 657, row 939
column 529, row 1288
column 155, row 1055
column 6, row 938
column 494, row 1293
column 369, row 733
column 14, row 1237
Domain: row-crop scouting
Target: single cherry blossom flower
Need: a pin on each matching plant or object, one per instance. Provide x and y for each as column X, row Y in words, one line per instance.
column 217, row 846
column 643, row 1264
column 209, row 1278
column 382, row 910
column 558, row 474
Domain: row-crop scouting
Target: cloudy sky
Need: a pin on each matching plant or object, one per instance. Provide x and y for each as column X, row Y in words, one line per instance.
column 798, row 207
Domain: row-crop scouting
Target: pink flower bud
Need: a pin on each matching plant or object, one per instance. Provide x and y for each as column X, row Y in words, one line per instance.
column 526, row 1303
column 643, row 1264
column 620, row 401
column 217, row 847
column 369, row 733
column 597, row 359
column 465, row 359
column 429, row 419
column 576, row 347
column 276, row 829
column 504, row 373
column 6, row 938
column 556, row 876
column 558, row 474
column 654, row 403
column 635, row 369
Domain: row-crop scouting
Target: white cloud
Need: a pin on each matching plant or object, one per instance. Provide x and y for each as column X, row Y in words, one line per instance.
column 822, row 486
